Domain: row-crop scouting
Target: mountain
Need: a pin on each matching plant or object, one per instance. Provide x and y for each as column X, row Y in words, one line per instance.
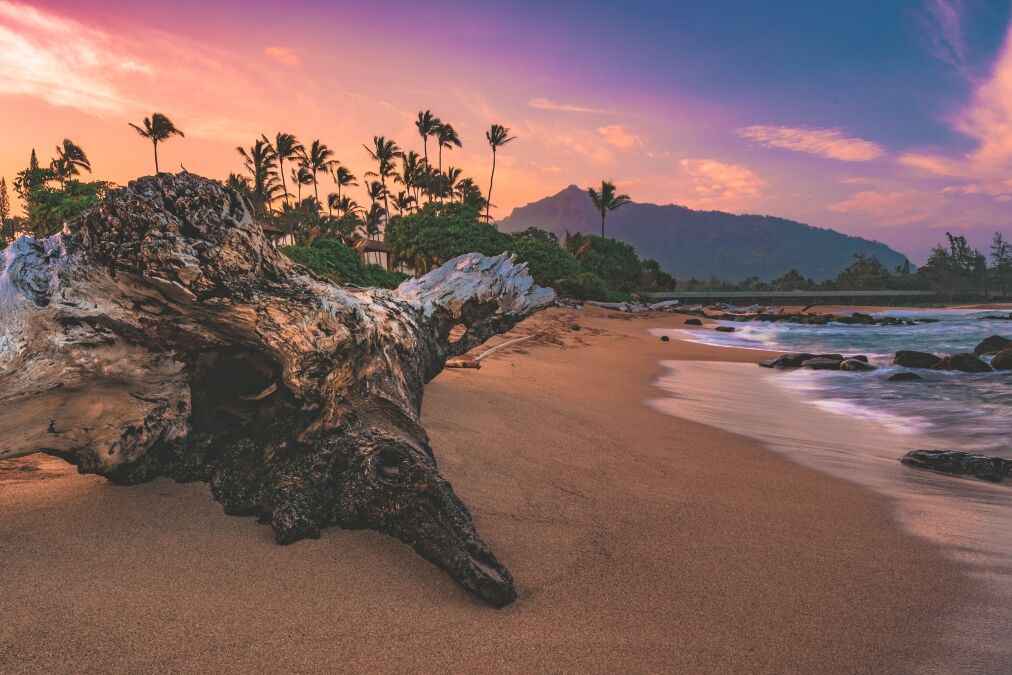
column 702, row 244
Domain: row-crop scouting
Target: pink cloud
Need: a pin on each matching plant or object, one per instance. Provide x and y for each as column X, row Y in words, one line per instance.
column 831, row 143
column 547, row 104
column 619, row 136
column 891, row 207
column 718, row 185
column 283, row 55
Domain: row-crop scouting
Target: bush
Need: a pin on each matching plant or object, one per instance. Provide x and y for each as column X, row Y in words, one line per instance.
column 547, row 262
column 48, row 208
column 613, row 261
column 438, row 232
column 332, row 259
column 583, row 286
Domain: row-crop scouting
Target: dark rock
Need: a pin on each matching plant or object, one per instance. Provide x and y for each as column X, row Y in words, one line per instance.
column 1002, row 360
column 693, row 322
column 964, row 362
column 574, row 326
column 724, row 329
column 820, row 363
column 787, row 360
column 905, row 376
column 992, row 345
column 912, row 359
column 927, row 320
column 835, row 357
column 859, row 357
column 993, row 469
column 664, row 338
column 854, row 365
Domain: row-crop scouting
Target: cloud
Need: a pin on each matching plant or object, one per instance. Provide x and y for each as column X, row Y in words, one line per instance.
column 718, row 185
column 943, row 30
column 831, row 143
column 283, row 55
column 891, row 207
column 619, row 136
column 546, row 104
column 940, row 166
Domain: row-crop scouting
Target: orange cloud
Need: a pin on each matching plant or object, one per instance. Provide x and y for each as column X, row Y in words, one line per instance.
column 619, row 136
column 722, row 186
column 891, row 207
column 831, row 143
column 546, row 104
column 283, row 55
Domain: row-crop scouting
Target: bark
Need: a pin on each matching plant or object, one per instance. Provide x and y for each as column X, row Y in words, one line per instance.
column 162, row 335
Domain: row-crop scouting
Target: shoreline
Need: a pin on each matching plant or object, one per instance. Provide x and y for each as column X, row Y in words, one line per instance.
column 638, row 541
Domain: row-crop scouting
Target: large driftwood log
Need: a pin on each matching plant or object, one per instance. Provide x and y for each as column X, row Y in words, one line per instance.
column 161, row 335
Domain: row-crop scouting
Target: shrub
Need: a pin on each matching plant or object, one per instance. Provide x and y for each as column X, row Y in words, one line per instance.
column 438, row 232
column 336, row 261
column 547, row 262
column 583, row 286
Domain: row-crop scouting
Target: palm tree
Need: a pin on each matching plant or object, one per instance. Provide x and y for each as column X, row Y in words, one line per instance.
column 497, row 136
column 346, row 205
column 412, row 168
column 69, row 161
column 301, row 175
column 343, row 178
column 158, row 128
column 452, row 177
column 606, row 200
column 428, row 125
column 384, row 151
column 447, row 137
column 285, row 146
column 470, row 194
column 403, row 202
column 259, row 161
column 318, row 160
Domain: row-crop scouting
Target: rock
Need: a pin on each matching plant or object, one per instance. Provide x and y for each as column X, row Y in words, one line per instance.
column 912, row 359
column 693, row 322
column 1002, row 360
column 787, row 360
column 574, row 326
column 905, row 376
column 992, row 345
column 664, row 338
column 965, row 363
column 724, row 329
column 855, row 365
column 820, row 363
column 859, row 357
column 993, row 469
column 927, row 320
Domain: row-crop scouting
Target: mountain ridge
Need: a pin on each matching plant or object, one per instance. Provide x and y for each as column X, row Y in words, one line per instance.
column 726, row 245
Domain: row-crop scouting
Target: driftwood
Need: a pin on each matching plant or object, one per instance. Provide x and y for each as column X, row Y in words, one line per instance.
column 161, row 335
column 476, row 361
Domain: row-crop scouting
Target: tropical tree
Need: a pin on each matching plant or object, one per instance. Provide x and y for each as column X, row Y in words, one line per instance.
column 318, row 159
column 343, row 178
column 427, row 125
column 606, row 200
column 384, row 151
column 284, row 146
column 158, row 128
column 32, row 178
column 238, row 183
column 300, row 175
column 412, row 172
column 374, row 217
column 69, row 161
column 5, row 209
column 497, row 136
column 259, row 160
column 469, row 193
column 403, row 202
column 451, row 179
column 447, row 138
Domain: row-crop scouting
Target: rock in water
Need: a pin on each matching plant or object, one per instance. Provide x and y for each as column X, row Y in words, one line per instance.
column 905, row 377
column 1002, row 360
column 965, row 362
column 787, row 360
column 992, row 345
column 912, row 359
column 693, row 322
column 822, row 363
column 162, row 335
column 724, row 329
column 993, row 469
column 856, row 365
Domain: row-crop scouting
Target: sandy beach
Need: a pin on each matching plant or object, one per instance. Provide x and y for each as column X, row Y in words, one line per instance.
column 639, row 541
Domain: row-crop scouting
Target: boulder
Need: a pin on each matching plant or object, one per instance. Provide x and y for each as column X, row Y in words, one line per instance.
column 820, row 363
column 787, row 360
column 859, row 357
column 905, row 376
column 854, row 365
column 992, row 345
column 965, row 363
column 724, row 329
column 664, row 338
column 913, row 359
column 960, row 463
column 693, row 322
column 1002, row 360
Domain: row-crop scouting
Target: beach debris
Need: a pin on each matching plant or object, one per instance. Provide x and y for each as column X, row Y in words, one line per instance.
column 905, row 376
column 161, row 334
column 964, row 362
column 992, row 345
column 914, row 359
column 635, row 306
column 475, row 362
column 1002, row 360
column 994, row 469
column 997, row 317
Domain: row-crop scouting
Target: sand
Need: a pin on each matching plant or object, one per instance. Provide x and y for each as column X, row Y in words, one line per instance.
column 639, row 542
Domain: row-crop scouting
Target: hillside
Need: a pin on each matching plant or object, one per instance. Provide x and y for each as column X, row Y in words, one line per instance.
column 701, row 244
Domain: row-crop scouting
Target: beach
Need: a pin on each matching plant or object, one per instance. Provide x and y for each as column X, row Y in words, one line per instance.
column 639, row 541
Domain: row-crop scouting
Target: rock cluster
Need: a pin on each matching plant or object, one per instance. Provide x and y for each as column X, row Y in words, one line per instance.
column 994, row 469
column 819, row 362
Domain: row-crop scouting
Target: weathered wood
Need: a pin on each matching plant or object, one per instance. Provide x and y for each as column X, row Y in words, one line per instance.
column 162, row 335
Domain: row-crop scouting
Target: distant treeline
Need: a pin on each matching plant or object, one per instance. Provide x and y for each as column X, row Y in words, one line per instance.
column 953, row 270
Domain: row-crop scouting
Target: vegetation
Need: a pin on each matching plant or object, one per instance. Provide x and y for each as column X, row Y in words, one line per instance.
column 438, row 232
column 5, row 214
column 497, row 136
column 340, row 263
column 606, row 200
column 158, row 128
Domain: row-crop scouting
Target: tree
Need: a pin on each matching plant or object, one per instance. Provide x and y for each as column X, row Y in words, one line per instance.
column 384, row 151
column 403, row 202
column 301, row 175
column 343, row 178
column 31, row 178
column 447, row 137
column 48, row 208
column 1001, row 262
column 5, row 210
column 546, row 261
column 318, row 159
column 536, row 234
column 956, row 270
column 158, row 128
column 259, row 161
column 438, row 232
column 338, row 262
column 613, row 261
column 497, row 137
column 284, row 146
column 606, row 200
column 469, row 193
column 792, row 281
column 412, row 172
column 69, row 161
column 427, row 125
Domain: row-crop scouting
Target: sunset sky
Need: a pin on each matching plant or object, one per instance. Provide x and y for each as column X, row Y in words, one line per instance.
column 891, row 120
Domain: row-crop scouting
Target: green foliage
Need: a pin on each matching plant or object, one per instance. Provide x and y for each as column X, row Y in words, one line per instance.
column 613, row 261
column 866, row 273
column 438, row 232
column 536, row 234
column 332, row 259
column 956, row 270
column 547, row 262
column 583, row 286
column 792, row 281
column 48, row 208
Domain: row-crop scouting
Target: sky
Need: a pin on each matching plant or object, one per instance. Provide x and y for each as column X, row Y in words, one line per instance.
column 889, row 120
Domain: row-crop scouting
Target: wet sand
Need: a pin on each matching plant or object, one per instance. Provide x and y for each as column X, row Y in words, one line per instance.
column 639, row 541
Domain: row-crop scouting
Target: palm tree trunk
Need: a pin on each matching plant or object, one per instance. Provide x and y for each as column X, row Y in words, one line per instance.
column 602, row 224
column 491, row 180
column 440, row 173
column 284, row 185
column 155, row 143
column 316, row 191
